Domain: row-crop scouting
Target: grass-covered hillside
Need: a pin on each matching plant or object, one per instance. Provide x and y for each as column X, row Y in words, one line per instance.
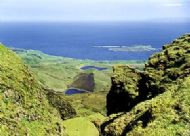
column 143, row 101
column 60, row 73
column 57, row 74
column 29, row 109
column 155, row 102
column 24, row 107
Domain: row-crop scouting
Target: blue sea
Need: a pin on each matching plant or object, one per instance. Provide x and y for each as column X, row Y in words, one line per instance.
column 91, row 40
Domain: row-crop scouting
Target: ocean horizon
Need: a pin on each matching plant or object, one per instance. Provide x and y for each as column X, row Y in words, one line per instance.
column 95, row 41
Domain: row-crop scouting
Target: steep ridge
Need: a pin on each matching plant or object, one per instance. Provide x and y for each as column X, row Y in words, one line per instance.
column 24, row 107
column 153, row 102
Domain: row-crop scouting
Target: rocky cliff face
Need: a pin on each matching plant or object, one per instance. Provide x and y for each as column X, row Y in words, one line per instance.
column 155, row 101
column 24, row 107
column 124, row 91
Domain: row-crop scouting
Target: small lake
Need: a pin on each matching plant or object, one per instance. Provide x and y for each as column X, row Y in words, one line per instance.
column 74, row 91
column 93, row 67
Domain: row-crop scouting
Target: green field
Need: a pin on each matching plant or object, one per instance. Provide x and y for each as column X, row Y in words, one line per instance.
column 59, row 72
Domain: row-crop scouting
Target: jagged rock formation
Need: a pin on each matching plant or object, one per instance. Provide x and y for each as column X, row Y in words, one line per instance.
column 24, row 107
column 153, row 102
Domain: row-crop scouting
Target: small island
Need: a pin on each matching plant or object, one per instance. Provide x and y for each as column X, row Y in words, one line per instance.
column 133, row 48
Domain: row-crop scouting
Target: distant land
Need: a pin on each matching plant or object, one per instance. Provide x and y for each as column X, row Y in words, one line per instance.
column 133, row 48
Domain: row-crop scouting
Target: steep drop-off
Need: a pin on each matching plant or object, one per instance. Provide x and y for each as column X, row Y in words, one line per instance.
column 24, row 107
column 154, row 102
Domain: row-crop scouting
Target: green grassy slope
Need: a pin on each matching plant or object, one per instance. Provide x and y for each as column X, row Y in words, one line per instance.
column 59, row 72
column 24, row 109
column 89, row 103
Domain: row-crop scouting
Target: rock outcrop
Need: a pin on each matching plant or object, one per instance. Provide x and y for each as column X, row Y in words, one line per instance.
column 155, row 101
column 124, row 90
column 24, row 107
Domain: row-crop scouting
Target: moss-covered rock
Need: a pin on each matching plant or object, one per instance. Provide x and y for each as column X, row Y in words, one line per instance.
column 24, row 108
column 124, row 91
column 162, row 104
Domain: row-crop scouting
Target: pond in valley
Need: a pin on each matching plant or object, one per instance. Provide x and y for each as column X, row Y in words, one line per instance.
column 72, row 91
column 93, row 67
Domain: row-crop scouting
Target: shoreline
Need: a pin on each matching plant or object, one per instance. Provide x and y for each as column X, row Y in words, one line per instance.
column 19, row 50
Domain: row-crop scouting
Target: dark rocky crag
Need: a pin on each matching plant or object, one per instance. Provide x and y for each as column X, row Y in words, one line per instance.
column 24, row 107
column 123, row 90
column 155, row 101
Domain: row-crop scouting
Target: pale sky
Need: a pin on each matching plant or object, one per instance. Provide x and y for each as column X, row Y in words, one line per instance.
column 93, row 10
